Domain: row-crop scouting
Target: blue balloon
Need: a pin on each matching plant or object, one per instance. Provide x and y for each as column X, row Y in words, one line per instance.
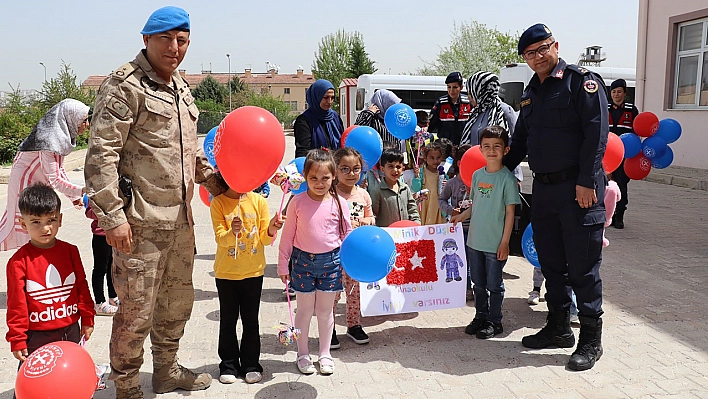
column 400, row 120
column 669, row 130
column 368, row 254
column 299, row 163
column 654, row 147
column 86, row 204
column 367, row 141
column 209, row 146
column 632, row 144
column 528, row 247
column 664, row 161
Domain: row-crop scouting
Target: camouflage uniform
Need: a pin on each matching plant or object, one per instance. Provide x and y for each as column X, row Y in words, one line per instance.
column 144, row 129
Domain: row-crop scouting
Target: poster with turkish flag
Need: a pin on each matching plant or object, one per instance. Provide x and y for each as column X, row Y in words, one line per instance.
column 430, row 272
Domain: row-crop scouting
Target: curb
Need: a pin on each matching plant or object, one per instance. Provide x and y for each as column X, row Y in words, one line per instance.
column 678, row 181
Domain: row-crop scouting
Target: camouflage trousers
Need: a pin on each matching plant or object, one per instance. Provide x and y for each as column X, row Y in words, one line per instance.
column 154, row 285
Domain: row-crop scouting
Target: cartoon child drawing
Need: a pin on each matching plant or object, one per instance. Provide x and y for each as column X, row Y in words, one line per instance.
column 451, row 261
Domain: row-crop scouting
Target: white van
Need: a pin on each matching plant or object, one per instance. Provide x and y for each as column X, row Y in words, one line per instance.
column 514, row 78
column 420, row 92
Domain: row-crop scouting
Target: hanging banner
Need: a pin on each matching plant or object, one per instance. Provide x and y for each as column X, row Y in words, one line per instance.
column 430, row 272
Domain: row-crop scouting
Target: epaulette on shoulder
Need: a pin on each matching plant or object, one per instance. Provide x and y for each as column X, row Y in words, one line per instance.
column 124, row 71
column 578, row 69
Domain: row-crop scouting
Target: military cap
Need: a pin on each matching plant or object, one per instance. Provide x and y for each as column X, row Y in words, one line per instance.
column 532, row 35
column 619, row 83
column 166, row 19
column 454, row 77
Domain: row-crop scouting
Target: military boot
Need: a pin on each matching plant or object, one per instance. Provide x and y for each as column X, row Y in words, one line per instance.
column 169, row 377
column 618, row 220
column 589, row 348
column 557, row 331
column 129, row 393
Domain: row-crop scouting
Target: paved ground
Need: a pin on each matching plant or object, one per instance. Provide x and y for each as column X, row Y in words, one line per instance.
column 655, row 336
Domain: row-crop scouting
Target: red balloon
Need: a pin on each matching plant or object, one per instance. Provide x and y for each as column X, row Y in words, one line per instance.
column 637, row 167
column 204, row 196
column 58, row 370
column 346, row 133
column 645, row 124
column 405, row 223
column 248, row 147
column 614, row 153
column 471, row 161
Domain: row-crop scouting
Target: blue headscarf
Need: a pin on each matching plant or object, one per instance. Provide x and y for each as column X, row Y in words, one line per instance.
column 330, row 135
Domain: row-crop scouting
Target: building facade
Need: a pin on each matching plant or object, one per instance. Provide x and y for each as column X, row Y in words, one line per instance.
column 672, row 71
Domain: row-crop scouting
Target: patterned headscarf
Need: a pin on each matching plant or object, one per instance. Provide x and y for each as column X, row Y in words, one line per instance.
column 58, row 128
column 483, row 88
column 384, row 99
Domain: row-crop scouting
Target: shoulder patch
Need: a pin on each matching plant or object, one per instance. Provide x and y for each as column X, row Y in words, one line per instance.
column 590, row 86
column 124, row 71
column 117, row 107
column 526, row 102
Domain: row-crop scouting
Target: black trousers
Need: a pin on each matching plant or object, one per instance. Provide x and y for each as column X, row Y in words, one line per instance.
column 568, row 240
column 239, row 298
column 102, row 262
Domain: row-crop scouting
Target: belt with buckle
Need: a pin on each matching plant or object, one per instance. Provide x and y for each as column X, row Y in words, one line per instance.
column 557, row 177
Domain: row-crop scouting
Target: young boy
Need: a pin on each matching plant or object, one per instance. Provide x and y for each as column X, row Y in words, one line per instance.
column 391, row 198
column 47, row 291
column 494, row 194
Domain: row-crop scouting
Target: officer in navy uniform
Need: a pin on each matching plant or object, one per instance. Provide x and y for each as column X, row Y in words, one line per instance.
column 563, row 127
column 451, row 112
column 622, row 116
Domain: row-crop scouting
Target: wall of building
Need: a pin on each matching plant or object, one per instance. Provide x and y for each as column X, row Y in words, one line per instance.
column 655, row 64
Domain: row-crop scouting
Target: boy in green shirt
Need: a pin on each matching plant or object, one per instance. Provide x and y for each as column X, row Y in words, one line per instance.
column 494, row 194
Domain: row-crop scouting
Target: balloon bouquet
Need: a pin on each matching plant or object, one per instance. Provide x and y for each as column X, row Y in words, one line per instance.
column 654, row 150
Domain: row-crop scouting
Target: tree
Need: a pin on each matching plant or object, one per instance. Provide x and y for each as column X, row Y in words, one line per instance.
column 275, row 105
column 474, row 47
column 64, row 86
column 210, row 89
column 359, row 61
column 237, row 85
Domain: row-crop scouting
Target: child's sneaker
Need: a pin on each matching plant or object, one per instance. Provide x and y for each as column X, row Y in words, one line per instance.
column 534, row 298
column 489, row 330
column 106, row 309
column 114, row 301
column 335, row 341
column 358, row 335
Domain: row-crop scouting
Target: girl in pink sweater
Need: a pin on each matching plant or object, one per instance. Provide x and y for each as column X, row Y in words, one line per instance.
column 318, row 220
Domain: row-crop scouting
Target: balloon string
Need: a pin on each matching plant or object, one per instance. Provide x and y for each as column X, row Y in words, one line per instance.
column 82, row 342
column 280, row 209
column 290, row 306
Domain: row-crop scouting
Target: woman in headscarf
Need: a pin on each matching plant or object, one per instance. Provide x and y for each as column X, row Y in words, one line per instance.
column 374, row 116
column 319, row 126
column 40, row 158
column 489, row 109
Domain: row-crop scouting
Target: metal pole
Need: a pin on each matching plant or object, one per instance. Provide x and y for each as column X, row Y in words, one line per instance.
column 229, row 81
column 45, row 71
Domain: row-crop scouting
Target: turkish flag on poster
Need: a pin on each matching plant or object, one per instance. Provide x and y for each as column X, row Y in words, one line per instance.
column 415, row 263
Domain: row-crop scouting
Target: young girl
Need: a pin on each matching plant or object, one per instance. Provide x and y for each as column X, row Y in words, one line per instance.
column 102, row 262
column 318, row 221
column 429, row 179
column 349, row 162
column 242, row 229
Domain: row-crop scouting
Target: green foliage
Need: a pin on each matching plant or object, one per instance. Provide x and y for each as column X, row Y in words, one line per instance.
column 359, row 61
column 474, row 47
column 209, row 89
column 275, row 105
column 237, row 85
column 64, row 86
column 16, row 122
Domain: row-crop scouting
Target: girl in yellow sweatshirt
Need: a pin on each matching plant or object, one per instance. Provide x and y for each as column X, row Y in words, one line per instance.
column 242, row 227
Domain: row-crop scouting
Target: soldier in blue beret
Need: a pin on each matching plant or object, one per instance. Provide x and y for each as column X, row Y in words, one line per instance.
column 142, row 163
column 563, row 127
column 451, row 112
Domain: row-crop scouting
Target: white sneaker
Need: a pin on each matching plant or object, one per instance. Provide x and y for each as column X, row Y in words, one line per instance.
column 253, row 377
column 227, row 379
column 534, row 298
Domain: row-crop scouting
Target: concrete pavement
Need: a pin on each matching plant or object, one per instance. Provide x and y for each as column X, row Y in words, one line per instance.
column 655, row 332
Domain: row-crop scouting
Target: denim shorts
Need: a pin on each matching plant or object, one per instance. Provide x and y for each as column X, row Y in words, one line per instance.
column 322, row 272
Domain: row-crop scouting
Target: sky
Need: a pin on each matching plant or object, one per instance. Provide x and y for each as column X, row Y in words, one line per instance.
column 96, row 37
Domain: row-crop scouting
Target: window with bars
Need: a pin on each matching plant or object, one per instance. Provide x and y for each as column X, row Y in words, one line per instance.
column 691, row 71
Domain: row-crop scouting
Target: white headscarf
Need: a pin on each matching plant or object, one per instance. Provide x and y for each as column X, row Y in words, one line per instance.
column 58, row 128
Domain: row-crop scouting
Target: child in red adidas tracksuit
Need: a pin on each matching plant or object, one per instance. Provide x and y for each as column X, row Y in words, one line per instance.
column 47, row 291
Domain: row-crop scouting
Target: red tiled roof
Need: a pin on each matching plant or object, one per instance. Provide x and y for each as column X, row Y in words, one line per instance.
column 349, row 82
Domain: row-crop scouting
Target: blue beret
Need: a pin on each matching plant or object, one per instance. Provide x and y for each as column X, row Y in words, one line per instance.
column 166, row 19
column 532, row 35
column 454, row 77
